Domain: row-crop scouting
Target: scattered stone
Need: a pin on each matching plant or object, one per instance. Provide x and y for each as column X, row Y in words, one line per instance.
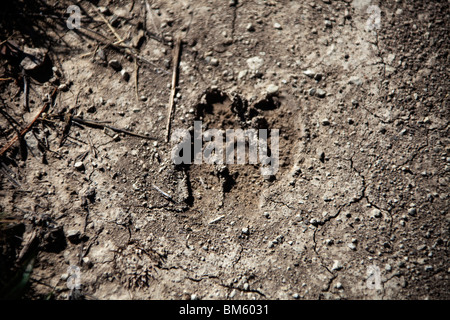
column 114, row 21
column 336, row 266
column 277, row 26
column 272, row 89
column 73, row 235
column 194, row 296
column 250, row 28
column 312, row 91
column 33, row 58
column 87, row 262
column 214, row 62
column 242, row 74
column 412, row 212
column 255, row 63
column 352, row 246
column 325, row 122
column 245, row 231
column 328, row 24
column 138, row 39
column 295, row 296
column 63, row 87
column 79, row 165
column 246, row 286
column 338, row 286
column 115, row 64
column 429, row 268
column 376, row 213
column 347, row 14
column 101, row 54
column 422, row 247
column 355, row 80
column 125, row 75
column 321, row 93
column 309, row 73
column 388, row 267
column 58, row 73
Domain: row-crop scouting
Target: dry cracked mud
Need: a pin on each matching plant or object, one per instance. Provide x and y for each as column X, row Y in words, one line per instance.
column 357, row 210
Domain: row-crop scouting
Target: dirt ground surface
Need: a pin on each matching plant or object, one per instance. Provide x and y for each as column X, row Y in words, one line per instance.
column 357, row 210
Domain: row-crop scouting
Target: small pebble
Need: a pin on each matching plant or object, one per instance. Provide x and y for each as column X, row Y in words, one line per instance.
column 376, row 213
column 63, row 87
column 125, row 75
column 115, row 64
column 321, row 93
column 250, row 27
column 79, row 165
column 272, row 89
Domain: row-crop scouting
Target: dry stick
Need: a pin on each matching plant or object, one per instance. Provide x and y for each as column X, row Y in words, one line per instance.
column 101, row 126
column 25, row 93
column 9, row 176
column 28, row 127
column 122, row 48
column 107, row 23
column 176, row 61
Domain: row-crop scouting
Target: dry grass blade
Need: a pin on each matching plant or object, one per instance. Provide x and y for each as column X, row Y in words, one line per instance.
column 176, row 61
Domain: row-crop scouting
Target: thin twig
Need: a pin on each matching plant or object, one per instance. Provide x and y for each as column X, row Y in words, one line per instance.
column 107, row 23
column 176, row 61
column 167, row 196
column 28, row 127
column 9, row 176
column 25, row 92
column 101, row 126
